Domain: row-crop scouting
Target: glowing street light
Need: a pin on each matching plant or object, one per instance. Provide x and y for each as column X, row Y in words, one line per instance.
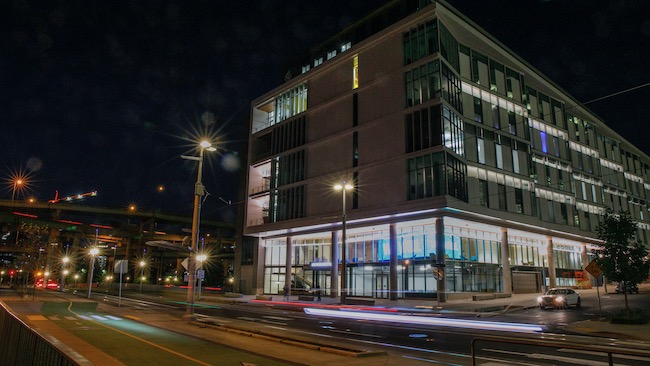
column 64, row 271
column 199, row 191
column 17, row 185
column 142, row 278
column 201, row 258
column 343, row 187
column 93, row 252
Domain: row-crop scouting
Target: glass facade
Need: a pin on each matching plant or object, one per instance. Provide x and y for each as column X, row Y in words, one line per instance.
column 472, row 261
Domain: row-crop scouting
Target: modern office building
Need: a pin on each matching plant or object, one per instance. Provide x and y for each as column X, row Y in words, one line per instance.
column 469, row 171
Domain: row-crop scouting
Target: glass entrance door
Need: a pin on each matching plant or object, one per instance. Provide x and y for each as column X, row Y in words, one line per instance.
column 381, row 286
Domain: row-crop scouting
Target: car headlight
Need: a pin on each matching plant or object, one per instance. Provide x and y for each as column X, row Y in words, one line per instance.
column 559, row 299
column 539, row 299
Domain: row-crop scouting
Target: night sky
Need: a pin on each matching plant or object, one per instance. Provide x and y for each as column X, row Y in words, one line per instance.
column 107, row 95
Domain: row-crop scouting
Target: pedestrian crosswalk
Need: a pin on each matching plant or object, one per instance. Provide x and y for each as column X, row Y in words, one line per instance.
column 96, row 317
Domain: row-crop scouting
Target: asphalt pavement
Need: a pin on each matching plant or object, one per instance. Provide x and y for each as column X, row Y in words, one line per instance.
column 304, row 352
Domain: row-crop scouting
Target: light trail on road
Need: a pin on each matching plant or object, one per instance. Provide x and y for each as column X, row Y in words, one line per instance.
column 457, row 323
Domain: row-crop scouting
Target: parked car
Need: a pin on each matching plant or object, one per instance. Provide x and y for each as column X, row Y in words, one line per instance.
column 559, row 298
column 629, row 287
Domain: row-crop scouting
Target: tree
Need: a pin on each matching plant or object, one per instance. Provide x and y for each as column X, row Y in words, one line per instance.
column 621, row 257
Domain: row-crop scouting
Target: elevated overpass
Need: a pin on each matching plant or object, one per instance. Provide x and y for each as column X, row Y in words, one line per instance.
column 118, row 232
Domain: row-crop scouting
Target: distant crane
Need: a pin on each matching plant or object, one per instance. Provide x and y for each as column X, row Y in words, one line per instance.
column 72, row 198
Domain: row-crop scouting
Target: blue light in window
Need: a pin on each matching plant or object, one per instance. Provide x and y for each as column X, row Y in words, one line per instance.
column 542, row 135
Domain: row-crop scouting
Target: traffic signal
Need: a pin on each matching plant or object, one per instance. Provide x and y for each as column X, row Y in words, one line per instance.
column 11, row 273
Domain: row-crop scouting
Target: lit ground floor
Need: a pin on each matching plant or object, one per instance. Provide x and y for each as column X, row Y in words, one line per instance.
column 424, row 258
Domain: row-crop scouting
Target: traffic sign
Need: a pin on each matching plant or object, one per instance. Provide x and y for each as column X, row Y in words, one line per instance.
column 594, row 269
column 438, row 273
column 121, row 266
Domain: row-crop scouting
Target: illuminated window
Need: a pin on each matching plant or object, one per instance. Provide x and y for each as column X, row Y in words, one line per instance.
column 542, row 136
column 355, row 72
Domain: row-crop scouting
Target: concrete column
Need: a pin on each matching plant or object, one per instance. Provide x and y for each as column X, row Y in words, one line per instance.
column 585, row 263
column 393, row 288
column 287, row 267
column 334, row 272
column 506, row 275
column 259, row 258
column 441, row 259
column 550, row 262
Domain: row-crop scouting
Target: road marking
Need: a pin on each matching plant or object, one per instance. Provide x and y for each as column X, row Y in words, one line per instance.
column 433, row 361
column 36, row 317
column 272, row 322
column 277, row 318
column 132, row 317
column 355, row 333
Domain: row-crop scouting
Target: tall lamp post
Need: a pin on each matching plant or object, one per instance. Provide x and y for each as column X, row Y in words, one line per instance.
column 199, row 191
column 201, row 258
column 64, row 271
column 343, row 187
column 142, row 264
column 17, row 183
column 93, row 253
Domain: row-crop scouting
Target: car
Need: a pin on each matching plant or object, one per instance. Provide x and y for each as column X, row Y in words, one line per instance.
column 629, row 287
column 559, row 298
column 51, row 284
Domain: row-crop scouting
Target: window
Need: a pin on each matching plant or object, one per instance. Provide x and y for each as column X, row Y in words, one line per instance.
column 355, row 72
column 495, row 117
column 291, row 102
column 499, row 153
column 515, row 156
column 512, row 123
column 420, row 42
column 318, row 61
column 480, row 146
column 478, row 110
column 422, row 83
column 519, row 200
column 429, row 176
column 503, row 201
column 483, row 193
column 551, row 211
column 331, row 54
column 593, row 194
column 564, row 213
column 542, row 136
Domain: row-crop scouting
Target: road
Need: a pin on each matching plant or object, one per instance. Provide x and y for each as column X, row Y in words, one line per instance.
column 409, row 340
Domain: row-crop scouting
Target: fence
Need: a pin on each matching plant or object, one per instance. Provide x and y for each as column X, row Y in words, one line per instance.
column 21, row 345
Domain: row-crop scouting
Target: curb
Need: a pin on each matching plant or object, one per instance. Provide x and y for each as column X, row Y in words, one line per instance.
column 344, row 351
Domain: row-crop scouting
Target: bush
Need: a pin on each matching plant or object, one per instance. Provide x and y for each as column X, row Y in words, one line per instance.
column 635, row 316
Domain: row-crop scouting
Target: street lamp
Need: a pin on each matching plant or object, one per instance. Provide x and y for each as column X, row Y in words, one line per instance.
column 201, row 258
column 142, row 264
column 343, row 187
column 199, row 191
column 93, row 252
column 18, row 182
column 64, row 271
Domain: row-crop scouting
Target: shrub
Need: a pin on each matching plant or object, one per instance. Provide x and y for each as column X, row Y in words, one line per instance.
column 635, row 316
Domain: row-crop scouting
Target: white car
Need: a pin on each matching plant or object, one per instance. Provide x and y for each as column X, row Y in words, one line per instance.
column 559, row 298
